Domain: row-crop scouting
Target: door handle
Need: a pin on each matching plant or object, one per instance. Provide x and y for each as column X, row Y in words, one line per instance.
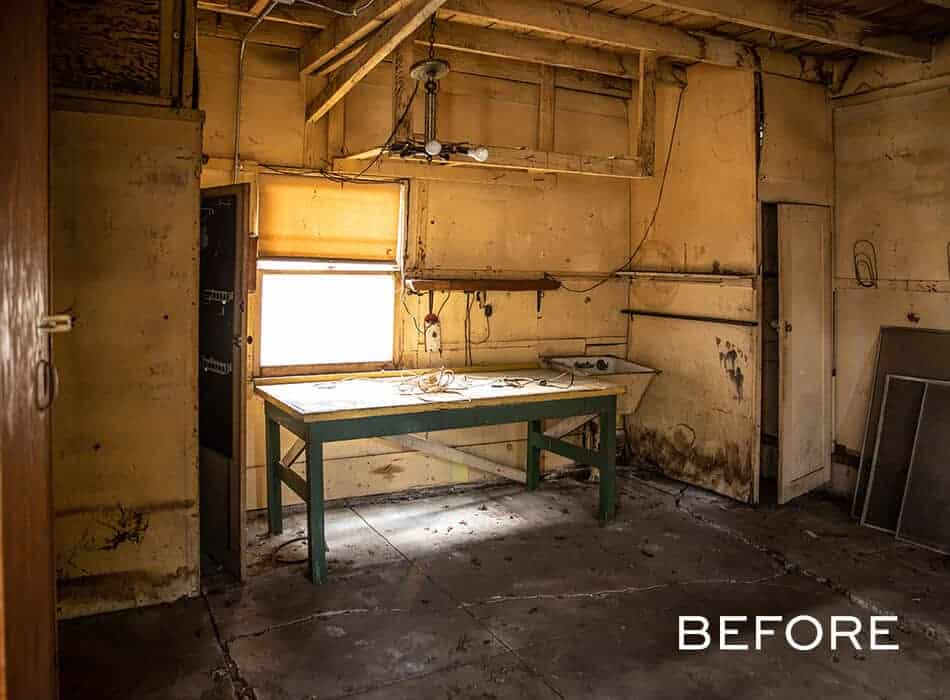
column 47, row 384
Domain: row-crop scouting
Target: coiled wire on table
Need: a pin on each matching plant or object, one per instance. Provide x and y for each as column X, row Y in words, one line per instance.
column 446, row 381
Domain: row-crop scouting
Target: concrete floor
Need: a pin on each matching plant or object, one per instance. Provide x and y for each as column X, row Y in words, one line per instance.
column 499, row 593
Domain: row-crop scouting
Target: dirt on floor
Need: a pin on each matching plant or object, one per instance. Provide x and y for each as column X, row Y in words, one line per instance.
column 496, row 592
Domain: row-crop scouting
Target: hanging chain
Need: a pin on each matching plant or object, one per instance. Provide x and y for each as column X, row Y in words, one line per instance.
column 432, row 37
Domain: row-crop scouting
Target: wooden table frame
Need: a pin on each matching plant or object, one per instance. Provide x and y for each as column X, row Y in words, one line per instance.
column 443, row 417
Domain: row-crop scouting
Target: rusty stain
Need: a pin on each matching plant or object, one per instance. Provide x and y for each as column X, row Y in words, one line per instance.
column 729, row 359
column 389, row 470
column 723, row 469
column 94, row 593
column 913, row 318
column 129, row 526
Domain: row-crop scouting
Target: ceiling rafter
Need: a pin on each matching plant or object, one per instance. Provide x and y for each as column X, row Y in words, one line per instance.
column 564, row 21
column 375, row 51
column 824, row 26
column 345, row 32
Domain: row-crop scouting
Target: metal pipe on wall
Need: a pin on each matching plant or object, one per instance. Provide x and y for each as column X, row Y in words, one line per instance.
column 240, row 81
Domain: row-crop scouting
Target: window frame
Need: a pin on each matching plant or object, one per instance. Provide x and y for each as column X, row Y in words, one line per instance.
column 393, row 267
column 337, row 368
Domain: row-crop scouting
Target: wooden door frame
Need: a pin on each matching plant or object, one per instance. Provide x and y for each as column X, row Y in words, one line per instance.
column 238, row 486
column 27, row 582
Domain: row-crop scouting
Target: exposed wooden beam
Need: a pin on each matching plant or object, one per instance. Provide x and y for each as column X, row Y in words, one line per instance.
column 533, row 161
column 345, row 32
column 293, row 454
column 547, row 108
column 377, row 48
column 234, row 27
column 560, row 20
column 467, row 284
column 299, row 14
column 451, row 454
column 507, row 45
column 568, row 425
column 825, row 26
column 403, row 91
column 646, row 112
column 257, row 7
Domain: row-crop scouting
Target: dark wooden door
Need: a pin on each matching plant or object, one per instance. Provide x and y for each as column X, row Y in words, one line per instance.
column 222, row 333
column 27, row 585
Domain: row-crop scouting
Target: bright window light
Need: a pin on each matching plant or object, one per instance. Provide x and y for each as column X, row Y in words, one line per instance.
column 322, row 318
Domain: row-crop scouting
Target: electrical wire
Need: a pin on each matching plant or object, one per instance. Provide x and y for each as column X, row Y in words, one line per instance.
column 656, row 209
column 487, row 327
column 865, row 263
column 360, row 178
column 295, row 540
column 415, row 322
column 242, row 52
column 438, row 314
column 341, row 178
column 392, row 136
column 336, row 11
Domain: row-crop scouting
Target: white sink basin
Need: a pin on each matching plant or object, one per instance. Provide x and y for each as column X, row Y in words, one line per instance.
column 636, row 378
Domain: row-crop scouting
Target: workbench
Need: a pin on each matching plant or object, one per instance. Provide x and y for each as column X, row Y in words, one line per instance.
column 358, row 407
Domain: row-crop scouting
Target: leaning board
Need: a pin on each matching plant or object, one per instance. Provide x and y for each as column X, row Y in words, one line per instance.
column 359, row 397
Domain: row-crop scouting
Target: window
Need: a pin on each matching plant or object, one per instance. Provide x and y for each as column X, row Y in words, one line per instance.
column 327, row 271
column 325, row 314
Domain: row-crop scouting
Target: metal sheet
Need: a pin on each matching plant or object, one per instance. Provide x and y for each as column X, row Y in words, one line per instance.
column 907, row 352
column 893, row 452
column 925, row 516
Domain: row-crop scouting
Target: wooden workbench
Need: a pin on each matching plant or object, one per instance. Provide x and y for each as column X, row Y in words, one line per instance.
column 359, row 407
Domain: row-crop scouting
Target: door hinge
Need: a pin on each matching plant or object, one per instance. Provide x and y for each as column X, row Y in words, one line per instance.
column 55, row 323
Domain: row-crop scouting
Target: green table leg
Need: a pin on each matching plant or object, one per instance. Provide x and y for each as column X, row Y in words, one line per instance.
column 608, row 470
column 274, row 505
column 316, row 541
column 535, row 428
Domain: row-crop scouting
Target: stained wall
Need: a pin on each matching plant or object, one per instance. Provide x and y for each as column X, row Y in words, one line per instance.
column 893, row 208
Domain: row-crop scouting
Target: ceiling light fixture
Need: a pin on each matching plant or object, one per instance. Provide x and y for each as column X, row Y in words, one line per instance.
column 429, row 72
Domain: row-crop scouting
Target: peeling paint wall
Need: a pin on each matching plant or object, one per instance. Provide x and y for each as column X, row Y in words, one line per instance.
column 124, row 237
column 698, row 420
column 892, row 147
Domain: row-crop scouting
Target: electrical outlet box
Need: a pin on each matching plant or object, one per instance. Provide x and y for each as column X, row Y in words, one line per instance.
column 434, row 337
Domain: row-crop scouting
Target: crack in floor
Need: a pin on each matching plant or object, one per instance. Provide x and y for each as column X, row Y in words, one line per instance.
column 628, row 590
column 318, row 616
column 906, row 624
column 242, row 689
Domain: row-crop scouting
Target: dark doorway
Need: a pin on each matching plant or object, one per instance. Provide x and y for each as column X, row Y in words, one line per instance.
column 221, row 361
column 768, row 486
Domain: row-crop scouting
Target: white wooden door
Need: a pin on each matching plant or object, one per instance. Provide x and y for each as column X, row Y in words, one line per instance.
column 805, row 349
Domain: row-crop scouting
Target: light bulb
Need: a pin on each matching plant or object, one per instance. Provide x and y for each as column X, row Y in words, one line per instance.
column 433, row 148
column 480, row 153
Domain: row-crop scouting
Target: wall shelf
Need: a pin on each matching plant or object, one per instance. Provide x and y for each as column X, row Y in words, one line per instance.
column 483, row 285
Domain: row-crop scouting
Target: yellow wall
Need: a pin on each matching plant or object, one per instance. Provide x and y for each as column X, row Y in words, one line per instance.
column 891, row 151
column 124, row 238
column 508, row 224
column 696, row 421
column 493, row 224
